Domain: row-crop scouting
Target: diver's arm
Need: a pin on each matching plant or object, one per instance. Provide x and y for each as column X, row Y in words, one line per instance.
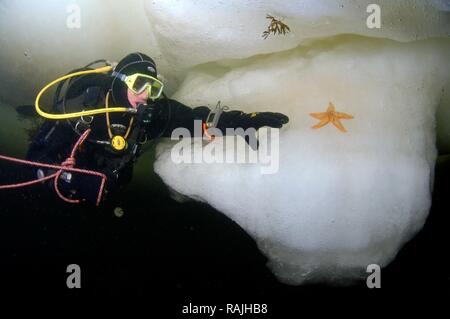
column 184, row 116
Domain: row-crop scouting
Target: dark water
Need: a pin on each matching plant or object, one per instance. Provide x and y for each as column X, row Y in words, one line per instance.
column 178, row 252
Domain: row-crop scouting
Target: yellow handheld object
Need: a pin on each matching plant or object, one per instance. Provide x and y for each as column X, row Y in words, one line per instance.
column 75, row 114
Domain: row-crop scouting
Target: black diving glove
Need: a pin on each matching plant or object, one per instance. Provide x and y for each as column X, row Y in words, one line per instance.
column 260, row 119
column 254, row 120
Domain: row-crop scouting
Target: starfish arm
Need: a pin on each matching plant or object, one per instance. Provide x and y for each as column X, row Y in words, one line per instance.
column 323, row 122
column 339, row 125
column 330, row 107
column 344, row 116
column 319, row 116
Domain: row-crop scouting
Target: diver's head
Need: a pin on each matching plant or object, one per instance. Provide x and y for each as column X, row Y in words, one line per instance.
column 135, row 81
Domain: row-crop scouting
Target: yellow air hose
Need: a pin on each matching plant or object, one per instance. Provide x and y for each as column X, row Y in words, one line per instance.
column 75, row 114
column 108, row 124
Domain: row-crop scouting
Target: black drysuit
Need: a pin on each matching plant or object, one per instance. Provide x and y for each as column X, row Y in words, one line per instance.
column 55, row 139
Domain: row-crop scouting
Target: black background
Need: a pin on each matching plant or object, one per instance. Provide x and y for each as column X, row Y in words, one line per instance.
column 175, row 253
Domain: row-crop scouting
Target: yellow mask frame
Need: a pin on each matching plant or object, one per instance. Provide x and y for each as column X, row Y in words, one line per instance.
column 147, row 82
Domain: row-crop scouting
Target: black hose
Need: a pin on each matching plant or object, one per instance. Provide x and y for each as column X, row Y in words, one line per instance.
column 70, row 83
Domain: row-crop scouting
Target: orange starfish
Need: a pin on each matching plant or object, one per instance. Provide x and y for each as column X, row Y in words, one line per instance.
column 331, row 116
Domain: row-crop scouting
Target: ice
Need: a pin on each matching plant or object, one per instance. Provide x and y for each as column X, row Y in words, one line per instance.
column 37, row 43
column 339, row 201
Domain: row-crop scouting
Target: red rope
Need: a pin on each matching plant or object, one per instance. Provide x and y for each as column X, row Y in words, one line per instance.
column 66, row 166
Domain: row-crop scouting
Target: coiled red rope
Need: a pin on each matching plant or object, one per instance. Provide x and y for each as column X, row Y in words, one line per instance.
column 66, row 166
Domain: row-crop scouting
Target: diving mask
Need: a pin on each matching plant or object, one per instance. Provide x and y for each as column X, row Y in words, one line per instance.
column 139, row 82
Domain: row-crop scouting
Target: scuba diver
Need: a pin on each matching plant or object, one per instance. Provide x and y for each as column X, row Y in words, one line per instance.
column 116, row 139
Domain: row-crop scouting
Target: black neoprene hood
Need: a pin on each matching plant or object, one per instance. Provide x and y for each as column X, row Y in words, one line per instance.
column 131, row 64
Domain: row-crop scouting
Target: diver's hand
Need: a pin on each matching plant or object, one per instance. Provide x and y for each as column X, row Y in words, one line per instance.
column 271, row 119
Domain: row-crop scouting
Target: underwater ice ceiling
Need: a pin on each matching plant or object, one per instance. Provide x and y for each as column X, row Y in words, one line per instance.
column 340, row 201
